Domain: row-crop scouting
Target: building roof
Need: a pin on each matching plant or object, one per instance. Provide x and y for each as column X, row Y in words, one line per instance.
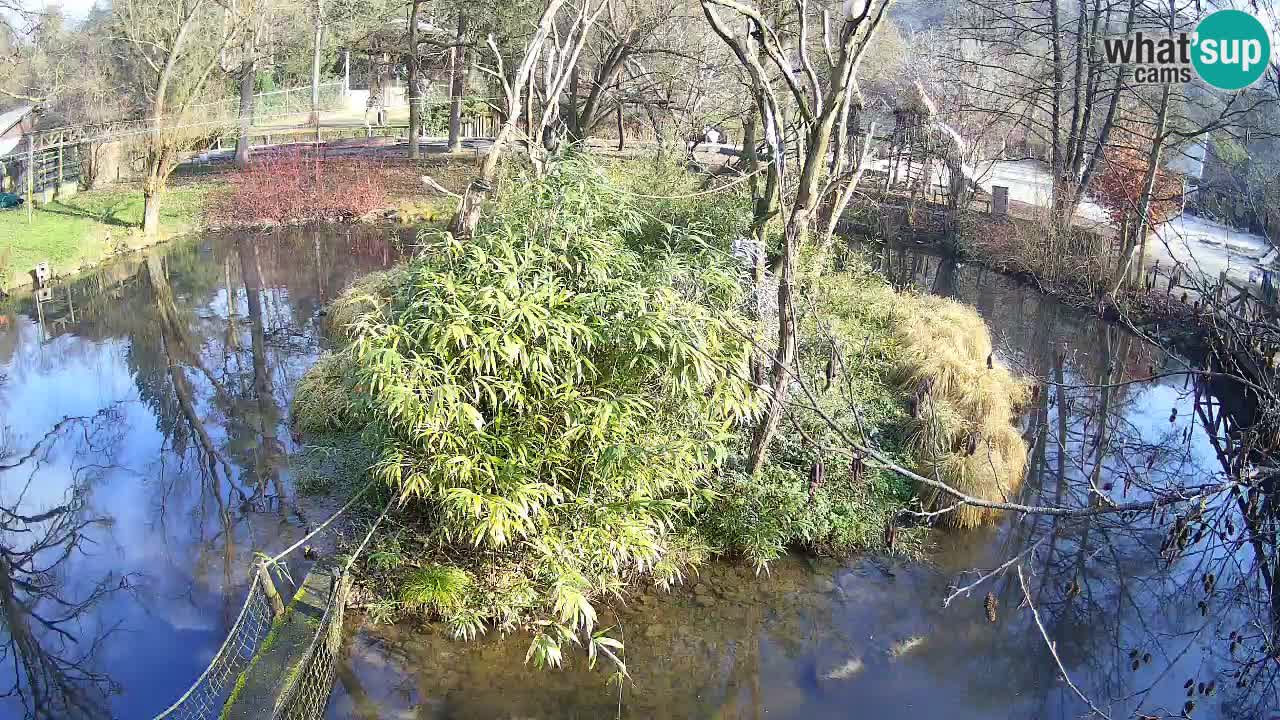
column 8, row 120
column 12, row 117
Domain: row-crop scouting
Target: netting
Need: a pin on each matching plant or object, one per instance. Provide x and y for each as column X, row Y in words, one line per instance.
column 306, row 690
column 210, row 691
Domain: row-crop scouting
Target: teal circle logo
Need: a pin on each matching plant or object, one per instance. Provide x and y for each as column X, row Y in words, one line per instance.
column 1232, row 49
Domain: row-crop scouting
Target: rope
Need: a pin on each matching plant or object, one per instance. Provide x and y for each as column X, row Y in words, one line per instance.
column 326, row 523
column 376, row 523
column 306, row 691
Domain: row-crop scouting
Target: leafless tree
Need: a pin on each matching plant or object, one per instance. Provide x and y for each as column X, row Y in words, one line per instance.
column 771, row 53
column 545, row 65
column 170, row 52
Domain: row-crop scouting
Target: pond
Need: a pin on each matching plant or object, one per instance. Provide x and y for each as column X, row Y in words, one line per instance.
column 145, row 456
column 880, row 637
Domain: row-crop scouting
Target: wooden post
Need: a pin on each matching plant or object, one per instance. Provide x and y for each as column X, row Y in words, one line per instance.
column 999, row 200
column 346, row 73
column 31, row 176
column 269, row 587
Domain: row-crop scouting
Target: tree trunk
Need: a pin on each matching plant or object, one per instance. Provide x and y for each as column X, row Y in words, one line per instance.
column 415, row 93
column 315, row 66
column 1061, row 186
column 1144, row 200
column 468, row 216
column 622, row 136
column 152, row 190
column 248, row 73
column 794, row 238
column 458, row 85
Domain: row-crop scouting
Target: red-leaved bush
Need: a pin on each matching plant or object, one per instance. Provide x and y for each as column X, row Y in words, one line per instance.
column 293, row 186
column 1118, row 188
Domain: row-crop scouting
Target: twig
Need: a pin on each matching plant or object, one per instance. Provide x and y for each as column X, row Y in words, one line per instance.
column 1053, row 648
column 957, row 592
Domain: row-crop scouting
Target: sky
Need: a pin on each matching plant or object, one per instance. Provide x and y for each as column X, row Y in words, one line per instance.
column 71, row 9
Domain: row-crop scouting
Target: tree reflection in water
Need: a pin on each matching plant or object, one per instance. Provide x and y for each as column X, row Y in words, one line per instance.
column 177, row 367
column 1139, row 605
column 871, row 637
column 44, row 617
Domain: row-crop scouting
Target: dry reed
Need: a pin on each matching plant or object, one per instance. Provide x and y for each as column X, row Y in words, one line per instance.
column 964, row 406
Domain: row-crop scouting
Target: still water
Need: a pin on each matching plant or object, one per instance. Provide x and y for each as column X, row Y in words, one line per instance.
column 145, row 455
column 875, row 637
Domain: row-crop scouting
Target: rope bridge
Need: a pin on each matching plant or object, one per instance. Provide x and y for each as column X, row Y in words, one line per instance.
column 305, row 690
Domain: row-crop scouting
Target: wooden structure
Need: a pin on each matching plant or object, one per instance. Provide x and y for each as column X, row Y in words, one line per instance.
column 911, row 155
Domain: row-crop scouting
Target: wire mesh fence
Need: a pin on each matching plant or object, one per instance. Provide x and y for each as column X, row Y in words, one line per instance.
column 306, row 691
column 207, row 695
column 278, row 103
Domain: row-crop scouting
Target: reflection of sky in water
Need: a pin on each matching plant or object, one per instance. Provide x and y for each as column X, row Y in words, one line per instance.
column 817, row 643
column 174, row 562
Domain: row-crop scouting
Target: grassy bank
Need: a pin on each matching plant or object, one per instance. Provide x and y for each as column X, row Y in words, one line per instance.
column 84, row 229
column 563, row 404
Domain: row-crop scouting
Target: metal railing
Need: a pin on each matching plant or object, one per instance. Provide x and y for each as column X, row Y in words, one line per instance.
column 277, row 103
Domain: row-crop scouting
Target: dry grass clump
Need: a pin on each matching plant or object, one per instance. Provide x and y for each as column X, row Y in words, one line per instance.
column 963, row 406
column 371, row 293
column 322, row 401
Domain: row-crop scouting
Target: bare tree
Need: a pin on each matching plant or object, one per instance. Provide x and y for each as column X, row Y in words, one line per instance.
column 556, row 61
column 771, row 63
column 171, row 51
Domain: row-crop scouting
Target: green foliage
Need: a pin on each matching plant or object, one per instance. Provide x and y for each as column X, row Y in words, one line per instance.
column 440, row 588
column 846, row 510
column 1230, row 151
column 556, row 401
column 435, row 115
column 322, row 401
column 370, row 294
column 562, row 401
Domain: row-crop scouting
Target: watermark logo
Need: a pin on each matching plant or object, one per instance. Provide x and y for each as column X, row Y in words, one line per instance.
column 1229, row 50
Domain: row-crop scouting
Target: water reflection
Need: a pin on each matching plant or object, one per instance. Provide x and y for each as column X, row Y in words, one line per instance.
column 872, row 637
column 145, row 455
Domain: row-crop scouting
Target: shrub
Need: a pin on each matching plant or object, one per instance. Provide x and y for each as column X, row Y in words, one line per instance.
column 560, row 402
column 1119, row 187
column 322, row 402
column 555, row 403
column 370, row 295
column 848, row 507
column 291, row 186
column 441, row 588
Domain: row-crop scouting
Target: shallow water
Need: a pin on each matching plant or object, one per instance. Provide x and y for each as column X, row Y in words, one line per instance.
column 145, row 456
column 872, row 636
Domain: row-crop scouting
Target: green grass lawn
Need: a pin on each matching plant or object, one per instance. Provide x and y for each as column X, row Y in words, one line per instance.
column 86, row 228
